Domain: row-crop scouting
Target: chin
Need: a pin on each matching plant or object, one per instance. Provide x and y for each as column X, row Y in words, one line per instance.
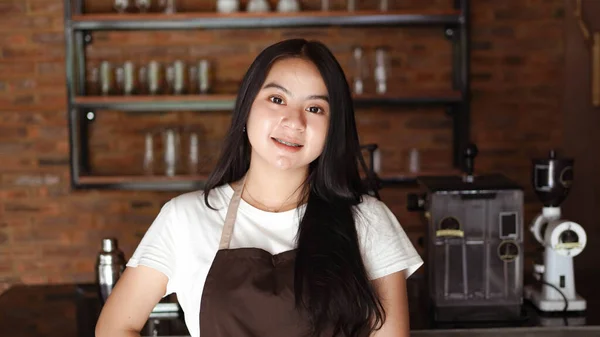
column 286, row 164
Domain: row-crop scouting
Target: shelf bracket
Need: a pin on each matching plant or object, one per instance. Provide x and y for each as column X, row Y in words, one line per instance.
column 84, row 124
column 90, row 115
column 87, row 38
column 451, row 110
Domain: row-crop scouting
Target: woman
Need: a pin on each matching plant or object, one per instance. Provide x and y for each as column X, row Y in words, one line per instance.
column 283, row 241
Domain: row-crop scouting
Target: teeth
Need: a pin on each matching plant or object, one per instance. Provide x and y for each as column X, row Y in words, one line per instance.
column 287, row 143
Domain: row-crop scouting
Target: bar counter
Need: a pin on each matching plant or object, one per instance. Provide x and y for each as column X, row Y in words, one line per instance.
column 71, row 310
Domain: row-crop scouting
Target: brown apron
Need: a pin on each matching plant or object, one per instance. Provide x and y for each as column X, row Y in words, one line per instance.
column 248, row 291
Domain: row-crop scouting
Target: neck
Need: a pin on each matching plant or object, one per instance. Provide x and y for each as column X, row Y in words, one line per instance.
column 273, row 190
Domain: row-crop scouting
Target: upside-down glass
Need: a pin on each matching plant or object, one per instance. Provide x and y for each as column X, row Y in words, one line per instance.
column 154, row 78
column 167, row 6
column 143, row 5
column 176, row 78
column 121, row 6
column 382, row 70
column 383, row 5
column 106, row 78
column 193, row 153
column 171, row 151
column 359, row 71
column 351, row 5
column 148, row 165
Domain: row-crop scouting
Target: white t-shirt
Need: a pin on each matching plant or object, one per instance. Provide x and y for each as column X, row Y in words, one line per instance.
column 184, row 238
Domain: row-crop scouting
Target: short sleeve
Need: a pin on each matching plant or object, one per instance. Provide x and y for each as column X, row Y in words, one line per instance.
column 385, row 246
column 158, row 249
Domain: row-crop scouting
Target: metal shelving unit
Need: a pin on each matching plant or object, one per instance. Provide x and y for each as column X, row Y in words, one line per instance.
column 79, row 26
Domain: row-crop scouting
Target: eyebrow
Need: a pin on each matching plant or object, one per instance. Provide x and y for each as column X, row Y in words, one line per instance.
column 287, row 92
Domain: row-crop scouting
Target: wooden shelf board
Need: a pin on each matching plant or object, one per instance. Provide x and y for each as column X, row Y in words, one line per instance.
column 260, row 20
column 194, row 182
column 411, row 178
column 142, row 182
column 96, row 180
column 158, row 102
column 247, row 15
column 226, row 102
column 154, row 98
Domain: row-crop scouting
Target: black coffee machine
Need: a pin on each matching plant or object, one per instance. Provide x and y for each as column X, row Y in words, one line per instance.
column 474, row 238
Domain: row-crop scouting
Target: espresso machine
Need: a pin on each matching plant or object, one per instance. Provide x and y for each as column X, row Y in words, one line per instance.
column 562, row 239
column 474, row 255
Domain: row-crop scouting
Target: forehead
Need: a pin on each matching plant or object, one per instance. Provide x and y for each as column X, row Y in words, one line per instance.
column 296, row 71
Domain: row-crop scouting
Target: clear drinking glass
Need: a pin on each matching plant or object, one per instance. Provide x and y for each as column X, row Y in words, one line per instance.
column 258, row 6
column 169, row 79
column 359, row 71
column 119, row 80
column 324, row 5
column 167, row 6
column 143, row 80
column 382, row 70
column 143, row 5
column 171, row 151
column 176, row 78
column 351, row 5
column 199, row 78
column 121, row 5
column 106, row 78
column 93, row 82
column 204, row 76
column 383, row 5
column 154, row 78
column 148, row 153
column 193, row 153
column 192, row 86
column 414, row 161
column 129, row 83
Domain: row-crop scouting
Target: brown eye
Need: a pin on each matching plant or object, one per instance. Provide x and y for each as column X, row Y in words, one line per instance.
column 276, row 100
column 315, row 109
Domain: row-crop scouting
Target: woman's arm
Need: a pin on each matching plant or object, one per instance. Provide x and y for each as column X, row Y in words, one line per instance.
column 391, row 289
column 130, row 303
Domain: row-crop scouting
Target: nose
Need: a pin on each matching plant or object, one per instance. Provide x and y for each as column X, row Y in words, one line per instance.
column 295, row 119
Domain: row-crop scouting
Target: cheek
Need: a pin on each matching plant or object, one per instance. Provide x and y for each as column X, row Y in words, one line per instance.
column 320, row 133
column 260, row 124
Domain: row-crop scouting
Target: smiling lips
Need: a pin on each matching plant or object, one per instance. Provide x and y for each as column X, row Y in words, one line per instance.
column 287, row 145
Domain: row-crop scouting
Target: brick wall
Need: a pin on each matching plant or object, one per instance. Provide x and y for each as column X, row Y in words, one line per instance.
column 50, row 234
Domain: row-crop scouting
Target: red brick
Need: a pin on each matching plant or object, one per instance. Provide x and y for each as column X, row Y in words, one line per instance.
column 53, row 38
column 8, row 38
column 51, row 68
column 12, row 8
column 45, row 7
column 17, row 22
column 11, row 69
column 32, row 53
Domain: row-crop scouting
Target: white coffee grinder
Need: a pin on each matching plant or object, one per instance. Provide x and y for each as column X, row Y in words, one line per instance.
column 562, row 239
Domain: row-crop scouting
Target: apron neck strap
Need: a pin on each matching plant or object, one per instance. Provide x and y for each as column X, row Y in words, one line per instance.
column 231, row 215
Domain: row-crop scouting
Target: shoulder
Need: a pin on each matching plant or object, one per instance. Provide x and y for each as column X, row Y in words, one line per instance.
column 371, row 211
column 188, row 212
column 194, row 202
column 385, row 246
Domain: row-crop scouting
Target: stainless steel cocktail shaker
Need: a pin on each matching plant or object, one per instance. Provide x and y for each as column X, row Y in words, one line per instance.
column 109, row 267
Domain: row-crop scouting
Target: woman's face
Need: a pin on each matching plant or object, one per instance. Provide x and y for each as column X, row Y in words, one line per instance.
column 289, row 118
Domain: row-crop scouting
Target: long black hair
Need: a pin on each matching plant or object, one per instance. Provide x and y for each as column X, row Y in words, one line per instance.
column 331, row 282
